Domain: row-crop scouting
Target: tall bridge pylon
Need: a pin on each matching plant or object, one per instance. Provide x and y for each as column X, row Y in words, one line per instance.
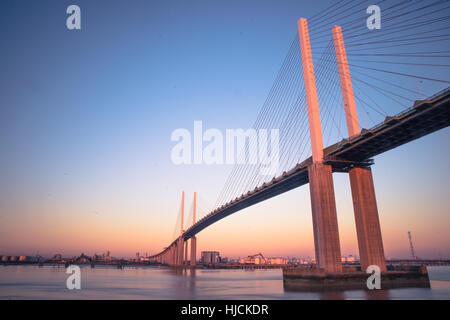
column 370, row 243
column 323, row 204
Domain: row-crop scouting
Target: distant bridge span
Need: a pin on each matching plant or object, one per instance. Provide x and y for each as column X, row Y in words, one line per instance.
column 425, row 117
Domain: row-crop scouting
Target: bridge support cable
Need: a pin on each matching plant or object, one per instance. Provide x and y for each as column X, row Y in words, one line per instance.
column 394, row 24
column 322, row 14
column 289, row 131
column 391, row 18
column 384, row 91
column 322, row 26
column 282, row 104
column 262, row 121
column 419, row 86
column 176, row 230
column 284, row 107
column 329, row 104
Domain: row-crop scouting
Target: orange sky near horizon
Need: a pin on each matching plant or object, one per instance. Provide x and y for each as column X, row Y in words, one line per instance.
column 281, row 226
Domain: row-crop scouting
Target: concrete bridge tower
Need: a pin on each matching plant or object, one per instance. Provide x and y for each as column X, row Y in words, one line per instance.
column 180, row 243
column 368, row 228
column 194, row 239
column 323, row 205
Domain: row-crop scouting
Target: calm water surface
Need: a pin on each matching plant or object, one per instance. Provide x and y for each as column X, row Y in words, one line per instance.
column 102, row 282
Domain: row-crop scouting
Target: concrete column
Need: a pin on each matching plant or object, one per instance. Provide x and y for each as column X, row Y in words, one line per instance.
column 193, row 251
column 176, row 254
column 185, row 252
column 180, row 249
column 325, row 225
column 172, row 255
column 194, row 239
column 182, row 213
column 351, row 115
column 368, row 228
column 312, row 102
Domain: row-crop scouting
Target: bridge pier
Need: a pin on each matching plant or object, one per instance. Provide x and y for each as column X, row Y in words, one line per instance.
column 173, row 260
column 193, row 251
column 185, row 261
column 325, row 224
column 175, row 255
column 368, row 228
column 180, row 251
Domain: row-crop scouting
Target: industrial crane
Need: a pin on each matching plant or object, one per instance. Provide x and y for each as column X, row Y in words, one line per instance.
column 258, row 254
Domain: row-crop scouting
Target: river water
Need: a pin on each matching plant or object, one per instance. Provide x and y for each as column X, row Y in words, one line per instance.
column 103, row 282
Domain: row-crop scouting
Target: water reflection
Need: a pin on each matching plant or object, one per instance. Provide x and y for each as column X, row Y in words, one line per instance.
column 103, row 282
column 332, row 295
column 377, row 294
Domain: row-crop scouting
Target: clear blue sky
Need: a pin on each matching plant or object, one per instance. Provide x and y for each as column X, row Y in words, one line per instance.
column 86, row 118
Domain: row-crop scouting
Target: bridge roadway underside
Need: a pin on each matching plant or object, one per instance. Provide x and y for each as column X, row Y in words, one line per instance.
column 423, row 118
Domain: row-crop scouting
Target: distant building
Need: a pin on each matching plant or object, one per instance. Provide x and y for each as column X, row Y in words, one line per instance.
column 103, row 257
column 278, row 260
column 56, row 257
column 97, row 257
column 210, row 257
column 83, row 259
column 18, row 259
column 349, row 259
column 28, row 259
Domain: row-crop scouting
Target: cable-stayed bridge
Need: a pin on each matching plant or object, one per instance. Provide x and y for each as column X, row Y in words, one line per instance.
column 303, row 84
